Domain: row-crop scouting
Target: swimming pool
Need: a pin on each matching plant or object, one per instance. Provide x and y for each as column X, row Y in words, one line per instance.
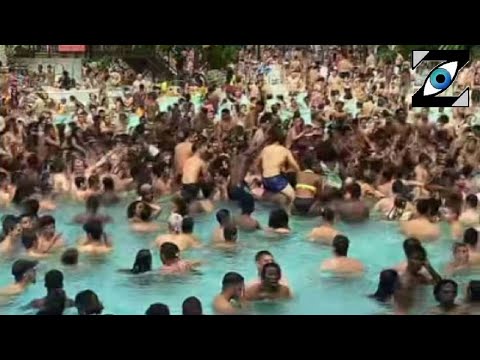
column 377, row 244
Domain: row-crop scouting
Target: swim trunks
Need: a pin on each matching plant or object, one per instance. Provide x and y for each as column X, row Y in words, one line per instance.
column 275, row 184
column 190, row 192
column 238, row 192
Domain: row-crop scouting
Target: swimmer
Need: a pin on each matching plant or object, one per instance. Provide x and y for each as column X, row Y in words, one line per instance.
column 445, row 293
column 341, row 264
column 224, row 218
column 53, row 282
column 70, row 257
column 308, row 187
column 470, row 238
column 48, row 239
column 139, row 215
column 192, row 307
column 24, row 273
column 183, row 152
column 245, row 221
column 194, row 169
column 326, row 233
column 278, row 223
column 92, row 205
column 387, row 286
column 461, row 261
column 230, row 234
column 88, row 303
column 172, row 264
column 353, row 208
column 273, row 159
column 79, row 191
column 470, row 216
column 231, row 300
column 95, row 242
column 270, row 287
column 158, row 310
column 12, row 232
column 421, row 227
column 142, row 265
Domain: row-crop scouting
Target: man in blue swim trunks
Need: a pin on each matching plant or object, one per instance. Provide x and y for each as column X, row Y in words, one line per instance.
column 275, row 159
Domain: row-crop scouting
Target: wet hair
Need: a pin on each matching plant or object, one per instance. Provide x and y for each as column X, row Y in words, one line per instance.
column 187, row 225
column 270, row 265
column 434, row 205
column 94, row 228
column 181, row 205
column 169, row 251
column 46, row 220
column 131, row 209
column 328, row 215
column 157, row 309
column 417, row 250
column 470, row 237
column 341, row 245
column 54, row 280
column 143, row 262
column 398, row 187
column 108, row 184
column 232, row 279
column 70, row 257
column 423, row 207
column 87, row 303
column 192, row 306
column 31, row 207
column 354, row 190
column 410, row 244
column 473, row 291
column 80, row 181
column 472, row 201
column 261, row 254
column 93, row 180
column 93, row 203
column 278, row 219
column 230, row 233
column 276, row 135
column 387, row 285
column 8, row 224
column 247, row 204
column 223, row 217
column 438, row 287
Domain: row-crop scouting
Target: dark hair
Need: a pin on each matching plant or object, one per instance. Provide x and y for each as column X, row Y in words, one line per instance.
column 108, row 184
column 470, row 237
column 232, row 279
column 417, row 250
column 46, row 220
column 94, row 228
column 29, row 239
column 423, row 206
column 276, row 135
column 328, row 215
column 31, row 207
column 54, row 303
column 54, row 280
column 230, row 233
column 93, row 180
column 70, row 257
column 169, row 251
column 271, row 265
column 192, row 306
column 410, row 244
column 387, row 285
column 79, row 181
column 223, row 216
column 438, row 287
column 92, row 203
column 143, row 262
column 158, row 309
column 341, row 245
column 354, row 190
column 398, row 187
column 278, row 219
column 8, row 224
column 88, row 303
column 261, row 254
column 182, row 208
column 472, row 201
column 247, row 204
column 187, row 225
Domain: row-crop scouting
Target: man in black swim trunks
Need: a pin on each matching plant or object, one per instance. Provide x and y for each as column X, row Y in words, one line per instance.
column 194, row 170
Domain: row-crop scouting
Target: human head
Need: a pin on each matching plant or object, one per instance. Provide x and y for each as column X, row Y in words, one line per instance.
column 24, row 271
column 80, row 182
column 233, row 285
column 247, row 204
column 416, row 259
column 223, row 217
column 387, row 285
column 397, row 187
column 423, row 207
column 70, row 257
column 146, row 192
column 460, row 253
column 46, row 225
column 88, row 303
column 271, row 275
column 175, row 223
column 328, row 215
column 108, row 184
column 54, row 303
column 11, row 223
column 353, row 191
column 445, row 292
column 143, row 262
column 157, row 309
column 472, row 201
column 187, row 225
column 26, row 222
column 94, row 230
column 30, row 207
column 278, row 219
column 470, row 237
column 341, row 245
column 262, row 258
column 410, row 244
column 169, row 252
column 230, row 233
column 53, row 280
column 192, row 306
column 93, row 182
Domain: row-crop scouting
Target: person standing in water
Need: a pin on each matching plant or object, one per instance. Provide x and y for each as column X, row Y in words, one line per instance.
column 445, row 292
column 245, row 221
column 461, row 260
column 421, row 227
column 269, row 287
column 470, row 217
column 341, row 263
column 231, row 300
column 470, row 238
column 326, row 233
column 308, row 187
column 24, row 273
column 353, row 209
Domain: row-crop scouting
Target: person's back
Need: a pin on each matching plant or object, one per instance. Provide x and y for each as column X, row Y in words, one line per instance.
column 470, row 217
column 274, row 159
column 353, row 209
column 183, row 152
column 421, row 227
column 470, row 238
column 245, row 221
column 340, row 263
column 192, row 170
column 325, row 233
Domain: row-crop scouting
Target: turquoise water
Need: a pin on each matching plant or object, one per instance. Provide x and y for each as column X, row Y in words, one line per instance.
column 377, row 244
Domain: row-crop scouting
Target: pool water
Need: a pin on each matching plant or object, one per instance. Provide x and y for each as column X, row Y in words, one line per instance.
column 378, row 244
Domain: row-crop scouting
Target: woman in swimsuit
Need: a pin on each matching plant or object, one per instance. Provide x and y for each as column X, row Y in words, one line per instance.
column 306, row 190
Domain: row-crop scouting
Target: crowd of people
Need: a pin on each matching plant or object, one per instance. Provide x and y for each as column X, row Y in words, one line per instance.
column 336, row 139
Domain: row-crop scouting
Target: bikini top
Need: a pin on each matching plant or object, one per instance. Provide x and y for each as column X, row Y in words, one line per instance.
column 306, row 186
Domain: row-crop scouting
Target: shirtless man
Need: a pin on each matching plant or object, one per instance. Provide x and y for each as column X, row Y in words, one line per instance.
column 326, row 233
column 353, row 208
column 470, row 238
column 24, row 273
column 224, row 218
column 183, row 151
column 340, row 263
column 270, row 287
column 95, row 242
column 421, row 228
column 183, row 241
column 194, row 169
column 470, row 216
column 263, row 258
column 6, row 191
column 274, row 159
column 229, row 301
column 48, row 239
column 245, row 221
column 421, row 173
column 445, row 293
column 386, row 206
column 461, row 260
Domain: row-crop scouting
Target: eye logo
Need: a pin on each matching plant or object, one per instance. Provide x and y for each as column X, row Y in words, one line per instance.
column 441, row 78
